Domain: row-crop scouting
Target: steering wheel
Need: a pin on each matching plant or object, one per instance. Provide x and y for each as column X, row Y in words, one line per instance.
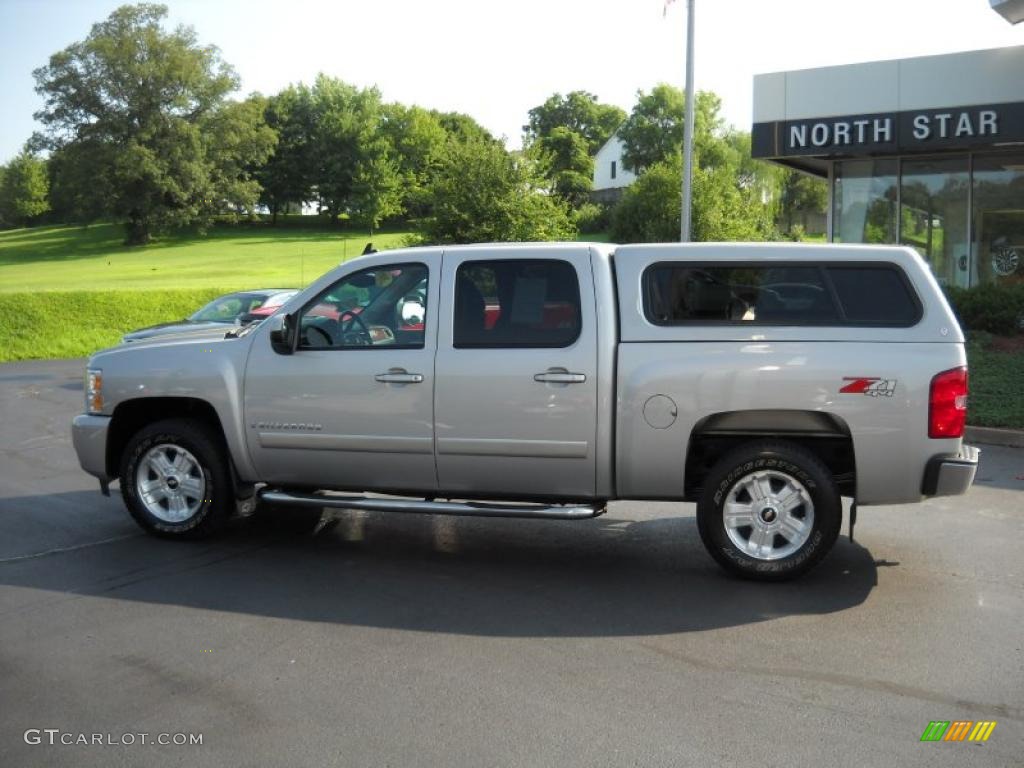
column 352, row 336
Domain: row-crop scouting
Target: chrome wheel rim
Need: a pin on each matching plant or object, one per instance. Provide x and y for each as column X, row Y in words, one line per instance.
column 768, row 515
column 170, row 483
column 1005, row 261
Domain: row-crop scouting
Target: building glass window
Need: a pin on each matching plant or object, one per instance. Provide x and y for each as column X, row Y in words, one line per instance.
column 933, row 215
column 998, row 218
column 865, row 201
column 613, row 169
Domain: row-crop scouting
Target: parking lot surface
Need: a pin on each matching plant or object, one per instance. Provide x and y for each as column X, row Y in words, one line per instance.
column 421, row 641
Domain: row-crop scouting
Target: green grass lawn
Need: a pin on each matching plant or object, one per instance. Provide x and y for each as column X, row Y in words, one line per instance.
column 49, row 324
column 94, row 258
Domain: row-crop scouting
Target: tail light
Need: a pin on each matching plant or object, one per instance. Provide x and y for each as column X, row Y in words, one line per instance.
column 947, row 404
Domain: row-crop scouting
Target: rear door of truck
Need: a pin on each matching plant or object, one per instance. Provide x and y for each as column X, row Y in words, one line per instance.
column 515, row 399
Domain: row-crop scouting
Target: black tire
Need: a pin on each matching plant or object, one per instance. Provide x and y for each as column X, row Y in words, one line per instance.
column 778, row 460
column 195, row 437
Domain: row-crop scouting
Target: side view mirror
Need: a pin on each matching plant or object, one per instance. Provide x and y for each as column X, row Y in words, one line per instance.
column 283, row 335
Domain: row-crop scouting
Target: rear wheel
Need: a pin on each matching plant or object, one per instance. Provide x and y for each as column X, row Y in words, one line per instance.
column 175, row 480
column 770, row 511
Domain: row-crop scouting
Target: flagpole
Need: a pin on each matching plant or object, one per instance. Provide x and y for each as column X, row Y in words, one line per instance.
column 684, row 229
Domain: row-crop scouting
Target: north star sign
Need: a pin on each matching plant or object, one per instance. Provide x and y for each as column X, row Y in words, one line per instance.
column 879, row 130
column 891, row 133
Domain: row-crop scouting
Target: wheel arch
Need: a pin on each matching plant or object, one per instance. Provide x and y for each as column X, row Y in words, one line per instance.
column 825, row 434
column 132, row 415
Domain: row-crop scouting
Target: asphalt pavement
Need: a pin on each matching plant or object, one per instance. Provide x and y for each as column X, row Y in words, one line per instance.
column 421, row 641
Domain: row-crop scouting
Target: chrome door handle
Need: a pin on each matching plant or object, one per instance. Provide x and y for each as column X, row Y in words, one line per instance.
column 399, row 376
column 560, row 377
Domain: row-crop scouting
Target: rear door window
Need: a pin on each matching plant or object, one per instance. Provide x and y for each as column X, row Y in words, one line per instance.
column 516, row 303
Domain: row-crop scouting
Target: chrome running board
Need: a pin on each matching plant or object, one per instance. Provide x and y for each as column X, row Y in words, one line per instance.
column 415, row 506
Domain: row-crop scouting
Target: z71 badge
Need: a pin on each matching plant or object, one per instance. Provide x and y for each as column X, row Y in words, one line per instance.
column 872, row 386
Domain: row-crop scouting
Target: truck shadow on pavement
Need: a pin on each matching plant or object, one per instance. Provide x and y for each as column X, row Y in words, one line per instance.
column 612, row 576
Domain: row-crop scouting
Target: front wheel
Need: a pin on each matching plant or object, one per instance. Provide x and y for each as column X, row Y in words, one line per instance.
column 175, row 479
column 770, row 511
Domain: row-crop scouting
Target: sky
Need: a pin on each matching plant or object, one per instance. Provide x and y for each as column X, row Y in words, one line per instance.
column 497, row 60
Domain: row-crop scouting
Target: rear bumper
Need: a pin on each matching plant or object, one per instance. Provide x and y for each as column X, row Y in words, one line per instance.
column 89, row 436
column 951, row 475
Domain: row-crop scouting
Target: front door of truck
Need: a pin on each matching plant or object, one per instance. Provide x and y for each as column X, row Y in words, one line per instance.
column 353, row 406
column 516, row 393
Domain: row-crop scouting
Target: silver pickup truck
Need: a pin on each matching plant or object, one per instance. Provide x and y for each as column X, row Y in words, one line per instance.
column 763, row 382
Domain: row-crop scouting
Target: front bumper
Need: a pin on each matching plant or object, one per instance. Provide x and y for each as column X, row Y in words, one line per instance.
column 951, row 475
column 89, row 436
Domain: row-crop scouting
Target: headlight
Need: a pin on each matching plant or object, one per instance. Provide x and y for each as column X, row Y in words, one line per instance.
column 94, row 391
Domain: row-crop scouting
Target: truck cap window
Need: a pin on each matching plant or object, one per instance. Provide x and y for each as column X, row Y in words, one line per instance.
column 875, row 295
column 778, row 294
column 516, row 303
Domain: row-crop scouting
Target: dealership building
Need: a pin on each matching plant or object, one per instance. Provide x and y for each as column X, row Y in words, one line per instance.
column 927, row 152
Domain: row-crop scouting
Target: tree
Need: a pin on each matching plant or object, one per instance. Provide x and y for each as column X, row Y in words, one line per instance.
column 141, row 113
column 417, row 141
column 800, row 193
column 564, row 160
column 734, row 196
column 377, row 186
column 79, row 188
column 355, row 156
column 563, row 134
column 724, row 211
column 752, row 174
column 463, row 127
column 237, row 140
column 24, row 190
column 653, row 132
column 346, row 124
column 579, row 112
column 289, row 175
column 650, row 209
column 484, row 194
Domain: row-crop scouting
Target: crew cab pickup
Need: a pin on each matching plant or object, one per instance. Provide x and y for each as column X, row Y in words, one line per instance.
column 763, row 382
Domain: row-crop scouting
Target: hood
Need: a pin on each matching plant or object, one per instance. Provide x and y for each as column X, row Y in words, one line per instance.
column 179, row 328
column 206, row 337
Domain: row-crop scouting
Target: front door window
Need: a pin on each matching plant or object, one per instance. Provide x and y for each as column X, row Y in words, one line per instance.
column 378, row 307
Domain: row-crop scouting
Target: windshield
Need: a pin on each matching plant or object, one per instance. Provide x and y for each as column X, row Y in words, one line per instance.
column 227, row 309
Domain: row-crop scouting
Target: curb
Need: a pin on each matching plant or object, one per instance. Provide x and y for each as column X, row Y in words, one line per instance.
column 1014, row 438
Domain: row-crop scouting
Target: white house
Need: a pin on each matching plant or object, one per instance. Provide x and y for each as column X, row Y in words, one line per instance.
column 609, row 174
